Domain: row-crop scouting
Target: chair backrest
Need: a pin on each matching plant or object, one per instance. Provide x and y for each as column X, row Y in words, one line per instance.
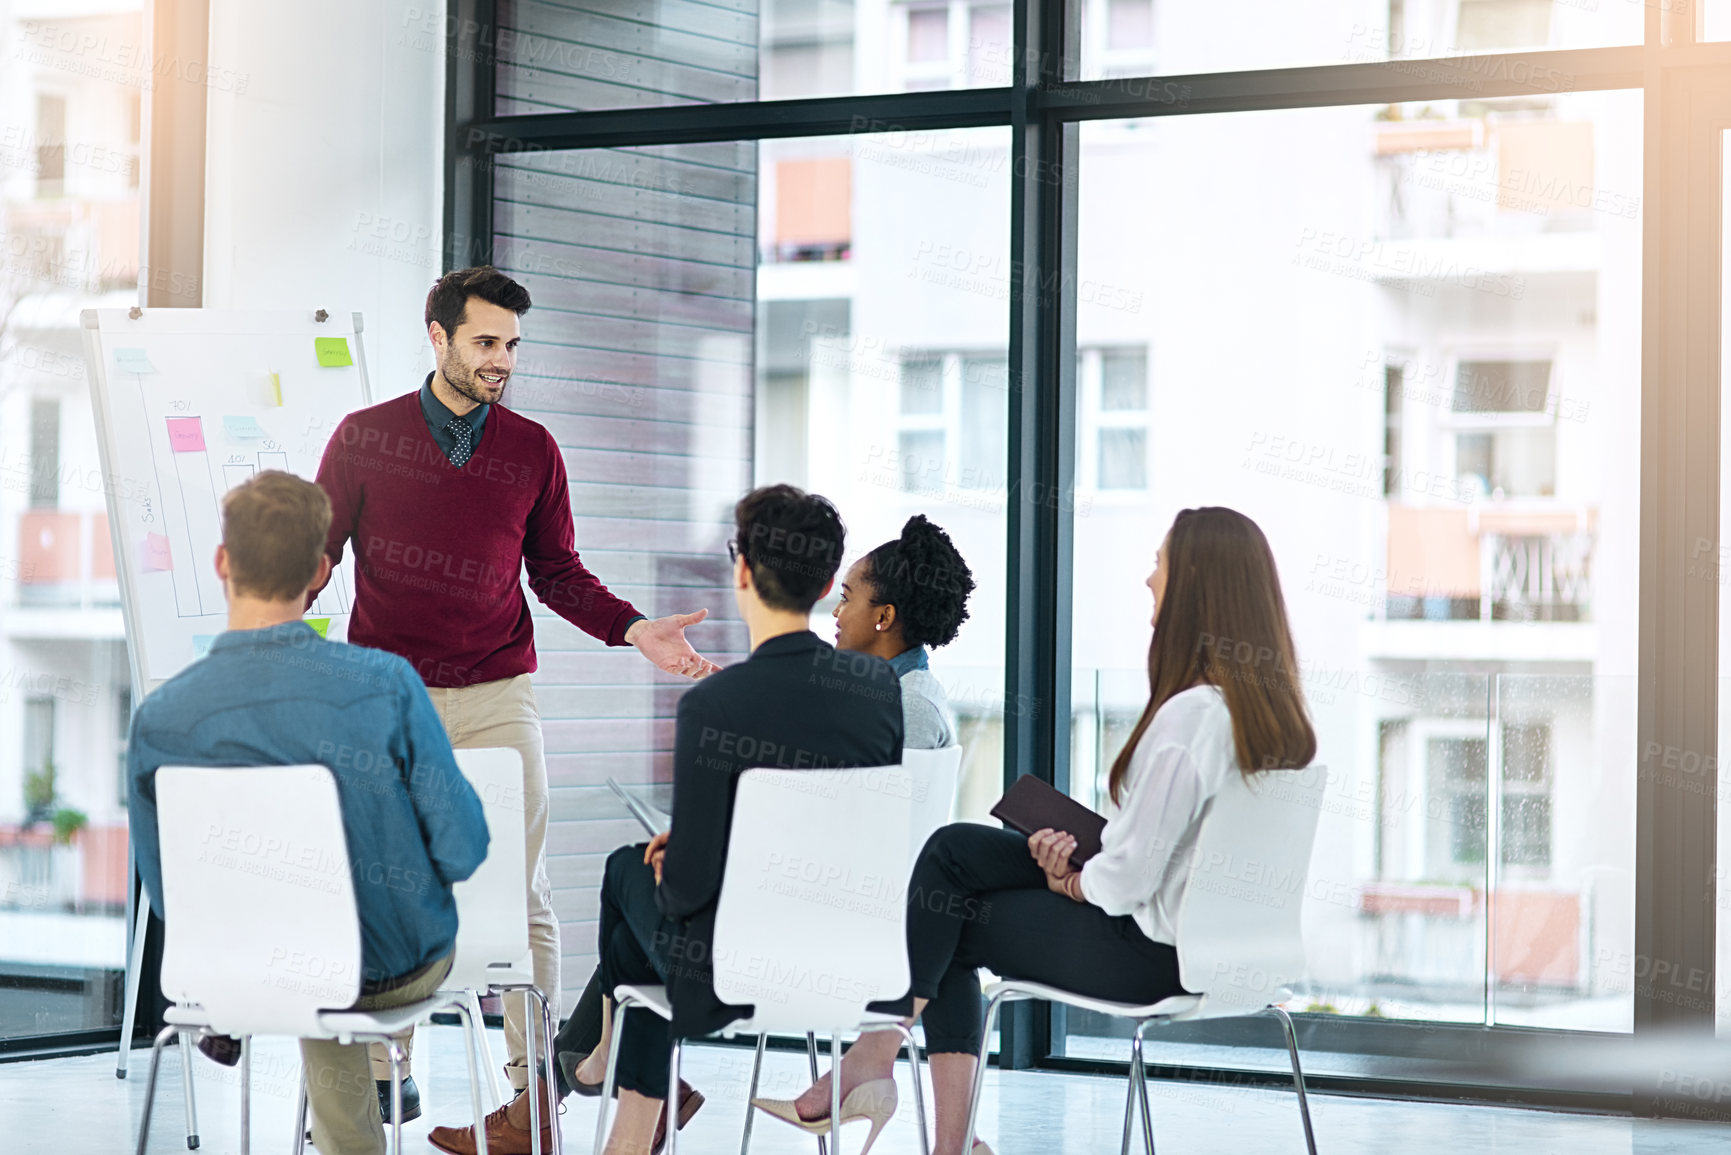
column 492, row 903
column 259, row 902
column 1239, row 925
column 809, row 927
column 937, row 780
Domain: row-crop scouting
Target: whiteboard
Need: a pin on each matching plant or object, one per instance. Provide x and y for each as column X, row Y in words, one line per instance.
column 190, row 403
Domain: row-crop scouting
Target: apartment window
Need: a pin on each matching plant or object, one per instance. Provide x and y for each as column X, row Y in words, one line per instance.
column 1489, row 25
column 928, row 49
column 1455, row 771
column 1526, row 811
column 50, row 145
column 1501, row 386
column 44, row 453
column 1393, row 389
column 1112, row 384
column 1129, row 25
column 39, row 784
column 954, row 424
column 989, row 45
column 1503, row 413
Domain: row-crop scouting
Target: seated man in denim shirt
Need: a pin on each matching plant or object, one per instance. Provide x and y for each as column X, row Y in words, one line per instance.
column 272, row 692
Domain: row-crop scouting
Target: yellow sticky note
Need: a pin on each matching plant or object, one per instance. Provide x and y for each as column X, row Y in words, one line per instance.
column 333, row 352
column 321, row 626
column 276, row 387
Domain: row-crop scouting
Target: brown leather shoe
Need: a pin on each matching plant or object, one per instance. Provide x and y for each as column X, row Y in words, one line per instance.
column 690, row 1099
column 502, row 1137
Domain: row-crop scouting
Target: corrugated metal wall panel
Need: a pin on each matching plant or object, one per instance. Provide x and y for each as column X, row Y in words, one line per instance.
column 638, row 357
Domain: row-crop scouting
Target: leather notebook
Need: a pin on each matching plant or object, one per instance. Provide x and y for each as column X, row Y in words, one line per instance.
column 1030, row 805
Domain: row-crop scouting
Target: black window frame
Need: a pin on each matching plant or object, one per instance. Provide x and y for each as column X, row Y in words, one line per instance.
column 1675, row 830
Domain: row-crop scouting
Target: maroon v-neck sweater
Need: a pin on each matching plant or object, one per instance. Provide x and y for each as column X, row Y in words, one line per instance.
column 438, row 549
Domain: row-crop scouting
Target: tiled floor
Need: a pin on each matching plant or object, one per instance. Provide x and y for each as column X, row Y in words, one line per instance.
column 77, row 1106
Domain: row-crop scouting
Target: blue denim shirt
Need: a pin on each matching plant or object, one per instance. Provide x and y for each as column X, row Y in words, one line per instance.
column 927, row 721
column 284, row 696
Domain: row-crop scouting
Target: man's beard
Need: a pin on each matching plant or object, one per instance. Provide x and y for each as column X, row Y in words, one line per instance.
column 461, row 378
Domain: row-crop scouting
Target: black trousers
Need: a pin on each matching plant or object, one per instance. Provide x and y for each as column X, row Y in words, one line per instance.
column 581, row 1033
column 978, row 899
column 636, row 942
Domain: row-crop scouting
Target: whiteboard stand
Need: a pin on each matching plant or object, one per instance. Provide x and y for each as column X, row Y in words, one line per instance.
column 206, row 350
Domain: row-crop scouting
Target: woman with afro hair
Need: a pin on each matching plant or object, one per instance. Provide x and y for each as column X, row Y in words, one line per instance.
column 899, row 601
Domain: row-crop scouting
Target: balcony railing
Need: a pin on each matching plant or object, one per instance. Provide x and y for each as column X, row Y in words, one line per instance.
column 1502, row 566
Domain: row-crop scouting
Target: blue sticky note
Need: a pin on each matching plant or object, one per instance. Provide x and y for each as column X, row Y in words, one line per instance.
column 245, row 428
column 201, row 644
column 133, row 361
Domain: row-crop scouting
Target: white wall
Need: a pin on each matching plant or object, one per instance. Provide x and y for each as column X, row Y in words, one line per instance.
column 323, row 167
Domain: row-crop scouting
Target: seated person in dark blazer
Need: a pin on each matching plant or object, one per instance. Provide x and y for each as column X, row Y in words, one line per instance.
column 793, row 703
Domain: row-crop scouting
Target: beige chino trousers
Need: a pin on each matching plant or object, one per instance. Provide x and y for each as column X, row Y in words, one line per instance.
column 504, row 713
column 341, row 1099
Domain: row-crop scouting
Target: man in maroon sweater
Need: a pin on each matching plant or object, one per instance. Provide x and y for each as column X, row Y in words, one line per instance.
column 447, row 496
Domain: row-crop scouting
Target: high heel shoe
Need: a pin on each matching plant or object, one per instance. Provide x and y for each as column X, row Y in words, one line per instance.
column 875, row 1101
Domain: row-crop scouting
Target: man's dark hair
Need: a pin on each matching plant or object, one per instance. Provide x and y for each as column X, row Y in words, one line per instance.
column 274, row 526
column 448, row 301
column 791, row 541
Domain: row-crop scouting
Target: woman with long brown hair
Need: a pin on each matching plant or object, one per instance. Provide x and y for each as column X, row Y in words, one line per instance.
column 1224, row 698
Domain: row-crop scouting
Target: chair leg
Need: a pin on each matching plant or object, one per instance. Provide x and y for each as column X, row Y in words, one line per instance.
column 750, row 1111
column 394, row 1050
column 541, row 1068
column 1297, row 1075
column 919, row 1090
column 835, row 1092
column 980, row 1072
column 619, row 1009
column 301, row 1117
column 672, row 1103
column 529, row 1074
column 485, row 1050
column 811, row 1054
column 187, row 1092
column 1140, row 1074
column 550, row 1078
column 162, row 1037
column 471, row 1025
column 134, row 963
column 1129, row 1107
column 246, row 1095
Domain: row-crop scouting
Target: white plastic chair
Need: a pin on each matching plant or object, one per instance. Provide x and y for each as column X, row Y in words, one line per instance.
column 801, row 844
column 936, row 781
column 492, row 952
column 1240, row 940
column 263, row 935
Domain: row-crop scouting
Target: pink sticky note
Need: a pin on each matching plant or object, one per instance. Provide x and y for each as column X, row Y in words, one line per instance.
column 186, row 434
column 154, row 554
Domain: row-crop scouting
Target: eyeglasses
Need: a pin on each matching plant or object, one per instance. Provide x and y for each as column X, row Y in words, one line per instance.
column 732, row 551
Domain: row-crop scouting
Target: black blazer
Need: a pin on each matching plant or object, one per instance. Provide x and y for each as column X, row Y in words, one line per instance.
column 795, row 702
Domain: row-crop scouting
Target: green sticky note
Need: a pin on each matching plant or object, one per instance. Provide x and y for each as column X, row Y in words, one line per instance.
column 333, row 352
column 321, row 626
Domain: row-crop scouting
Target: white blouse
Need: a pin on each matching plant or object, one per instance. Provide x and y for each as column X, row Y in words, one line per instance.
column 1145, row 852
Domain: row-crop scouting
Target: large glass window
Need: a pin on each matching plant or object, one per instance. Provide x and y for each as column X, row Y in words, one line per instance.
column 1130, row 38
column 562, row 55
column 1435, row 422
column 709, row 317
column 69, row 240
column 895, row 379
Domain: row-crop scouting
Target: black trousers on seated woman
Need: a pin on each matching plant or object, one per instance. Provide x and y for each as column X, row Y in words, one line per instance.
column 638, row 946
column 978, row 899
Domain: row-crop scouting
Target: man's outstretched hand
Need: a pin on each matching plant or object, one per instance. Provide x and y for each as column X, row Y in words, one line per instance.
column 662, row 641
